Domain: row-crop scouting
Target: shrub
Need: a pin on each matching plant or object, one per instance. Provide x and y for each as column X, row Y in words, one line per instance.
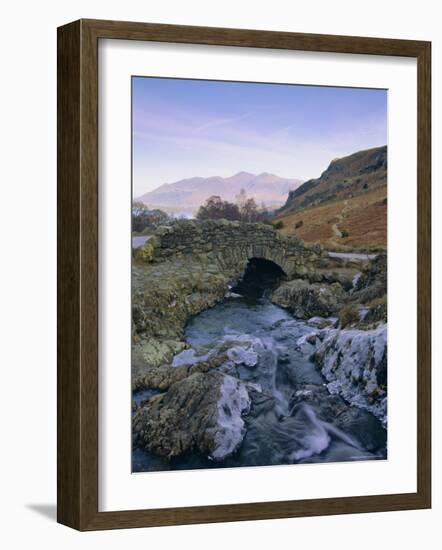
column 278, row 225
column 348, row 315
column 344, row 233
column 377, row 309
column 145, row 220
column 299, row 224
column 145, row 252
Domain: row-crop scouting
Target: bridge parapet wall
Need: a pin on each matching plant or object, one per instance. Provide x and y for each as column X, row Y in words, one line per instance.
column 232, row 244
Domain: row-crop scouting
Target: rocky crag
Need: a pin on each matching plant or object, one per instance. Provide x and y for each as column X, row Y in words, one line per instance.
column 344, row 178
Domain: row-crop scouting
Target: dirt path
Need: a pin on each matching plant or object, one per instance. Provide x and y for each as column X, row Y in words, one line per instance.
column 336, row 231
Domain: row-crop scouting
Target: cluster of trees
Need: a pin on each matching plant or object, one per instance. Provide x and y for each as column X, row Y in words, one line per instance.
column 144, row 218
column 244, row 209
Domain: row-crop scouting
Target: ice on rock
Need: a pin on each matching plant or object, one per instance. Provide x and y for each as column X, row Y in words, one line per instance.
column 242, row 356
column 309, row 339
column 188, row 357
column 355, row 279
column 352, row 361
column 233, row 402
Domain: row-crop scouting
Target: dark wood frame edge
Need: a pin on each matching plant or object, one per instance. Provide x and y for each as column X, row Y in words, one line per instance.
column 77, row 226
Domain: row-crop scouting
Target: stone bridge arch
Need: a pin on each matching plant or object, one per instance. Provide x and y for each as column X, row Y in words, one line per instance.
column 272, row 252
column 231, row 245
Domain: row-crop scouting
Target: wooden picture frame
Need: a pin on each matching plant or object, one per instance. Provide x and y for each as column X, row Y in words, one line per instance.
column 78, row 274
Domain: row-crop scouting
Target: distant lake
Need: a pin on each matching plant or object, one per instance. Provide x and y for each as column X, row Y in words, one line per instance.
column 186, row 214
column 140, row 240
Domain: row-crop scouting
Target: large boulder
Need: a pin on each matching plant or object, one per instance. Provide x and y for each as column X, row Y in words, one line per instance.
column 372, row 283
column 164, row 376
column 202, row 412
column 345, row 276
column 307, row 300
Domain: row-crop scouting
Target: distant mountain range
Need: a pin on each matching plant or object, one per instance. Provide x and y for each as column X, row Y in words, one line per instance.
column 190, row 194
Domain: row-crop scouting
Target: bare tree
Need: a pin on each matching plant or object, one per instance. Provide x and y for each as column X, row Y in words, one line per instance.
column 144, row 218
column 250, row 210
column 241, row 199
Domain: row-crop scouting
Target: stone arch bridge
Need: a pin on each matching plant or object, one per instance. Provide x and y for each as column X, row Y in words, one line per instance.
column 230, row 245
column 188, row 267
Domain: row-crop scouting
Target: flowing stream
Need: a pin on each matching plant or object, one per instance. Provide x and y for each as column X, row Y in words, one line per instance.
column 293, row 417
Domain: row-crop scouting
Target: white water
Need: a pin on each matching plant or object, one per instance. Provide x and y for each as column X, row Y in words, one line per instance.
column 274, row 406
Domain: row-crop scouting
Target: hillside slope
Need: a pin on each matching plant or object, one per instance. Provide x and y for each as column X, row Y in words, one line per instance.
column 344, row 178
column 346, row 207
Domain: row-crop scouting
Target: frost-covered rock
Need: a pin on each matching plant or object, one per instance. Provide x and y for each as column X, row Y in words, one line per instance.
column 355, row 279
column 188, row 357
column 354, row 362
column 372, row 284
column 242, row 356
column 321, row 322
column 307, row 343
column 233, row 402
column 232, row 295
column 202, row 412
column 309, row 338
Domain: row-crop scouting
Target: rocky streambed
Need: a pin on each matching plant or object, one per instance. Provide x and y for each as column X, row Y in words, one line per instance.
column 288, row 371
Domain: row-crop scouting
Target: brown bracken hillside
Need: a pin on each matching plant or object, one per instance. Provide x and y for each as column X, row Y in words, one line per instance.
column 345, row 208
